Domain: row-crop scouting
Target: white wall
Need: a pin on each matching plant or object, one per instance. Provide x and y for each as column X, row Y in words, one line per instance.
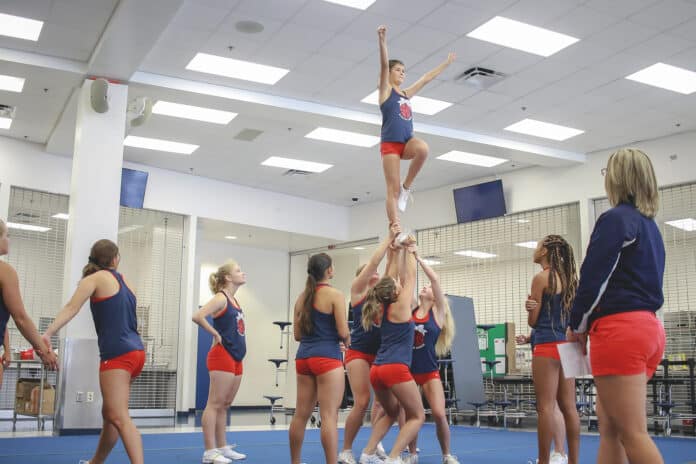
column 534, row 188
column 28, row 165
column 264, row 299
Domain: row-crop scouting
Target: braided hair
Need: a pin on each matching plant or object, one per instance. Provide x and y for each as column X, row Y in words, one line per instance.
column 561, row 265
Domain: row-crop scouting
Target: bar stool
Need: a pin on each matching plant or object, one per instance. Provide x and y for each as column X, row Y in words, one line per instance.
column 283, row 326
column 277, row 362
column 273, row 399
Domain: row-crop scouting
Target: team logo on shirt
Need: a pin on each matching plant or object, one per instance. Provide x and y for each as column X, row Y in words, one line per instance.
column 419, row 338
column 240, row 323
column 405, row 109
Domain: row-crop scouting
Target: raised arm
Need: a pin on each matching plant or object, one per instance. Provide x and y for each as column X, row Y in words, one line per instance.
column 361, row 280
column 429, row 76
column 214, row 306
column 408, row 281
column 384, row 87
column 393, row 262
column 434, row 278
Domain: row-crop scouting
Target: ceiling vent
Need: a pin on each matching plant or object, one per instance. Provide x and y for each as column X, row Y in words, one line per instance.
column 248, row 134
column 479, row 77
column 7, row 111
column 296, row 172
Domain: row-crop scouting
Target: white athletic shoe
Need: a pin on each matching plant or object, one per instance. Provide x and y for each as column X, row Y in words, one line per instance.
column 450, row 459
column 393, row 461
column 558, row 458
column 404, row 197
column 229, row 452
column 346, row 457
column 410, row 459
column 370, row 459
column 215, row 456
column 381, row 452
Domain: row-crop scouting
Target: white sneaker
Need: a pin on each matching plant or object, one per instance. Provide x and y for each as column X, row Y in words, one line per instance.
column 381, row 452
column 404, row 196
column 558, row 458
column 410, row 459
column 346, row 457
column 393, row 461
column 370, row 459
column 450, row 459
column 214, row 456
column 229, row 452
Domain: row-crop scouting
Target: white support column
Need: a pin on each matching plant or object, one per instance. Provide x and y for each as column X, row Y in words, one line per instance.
column 186, row 357
column 95, row 188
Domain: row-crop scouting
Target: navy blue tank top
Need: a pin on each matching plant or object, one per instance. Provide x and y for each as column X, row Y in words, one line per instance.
column 397, row 121
column 116, row 322
column 4, row 316
column 230, row 325
column 426, row 333
column 323, row 341
column 361, row 340
column 396, row 345
column 549, row 327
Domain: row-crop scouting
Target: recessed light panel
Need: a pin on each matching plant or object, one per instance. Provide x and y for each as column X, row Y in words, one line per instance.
column 237, row 69
column 543, row 129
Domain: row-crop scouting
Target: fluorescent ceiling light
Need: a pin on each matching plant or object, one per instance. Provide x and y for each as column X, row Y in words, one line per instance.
column 5, row 123
column 422, row 105
column 19, row 27
column 29, row 227
column 522, row 36
column 688, row 224
column 289, row 163
column 543, row 129
column 126, row 229
column 237, row 69
column 530, row 244
column 64, row 216
column 359, row 4
column 230, row 237
column 358, row 248
column 341, row 136
column 667, row 77
column 431, row 262
column 11, row 83
column 197, row 113
column 475, row 254
column 159, row 145
column 472, row 158
column 523, row 221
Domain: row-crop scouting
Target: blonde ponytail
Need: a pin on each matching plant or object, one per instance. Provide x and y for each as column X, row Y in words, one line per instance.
column 449, row 330
column 216, row 280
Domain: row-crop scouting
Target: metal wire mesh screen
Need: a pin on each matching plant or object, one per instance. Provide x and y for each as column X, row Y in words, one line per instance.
column 677, row 206
column 37, row 250
column 151, row 247
column 491, row 262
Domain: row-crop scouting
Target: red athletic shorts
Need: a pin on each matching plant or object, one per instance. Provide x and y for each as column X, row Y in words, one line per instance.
column 391, row 148
column 133, row 362
column 422, row 379
column 626, row 344
column 385, row 376
column 547, row 350
column 355, row 354
column 220, row 360
column 316, row 366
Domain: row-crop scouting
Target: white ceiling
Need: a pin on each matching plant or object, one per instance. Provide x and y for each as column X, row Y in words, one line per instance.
column 331, row 52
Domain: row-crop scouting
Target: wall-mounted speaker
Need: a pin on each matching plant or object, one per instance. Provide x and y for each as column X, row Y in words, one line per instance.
column 141, row 109
column 99, row 95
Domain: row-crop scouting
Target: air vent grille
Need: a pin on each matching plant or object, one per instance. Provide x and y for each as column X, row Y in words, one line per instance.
column 480, row 77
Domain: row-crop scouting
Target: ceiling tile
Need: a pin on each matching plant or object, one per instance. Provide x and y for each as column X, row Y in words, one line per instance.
column 581, row 22
column 405, row 10
column 454, row 18
column 620, row 8
column 343, row 46
column 539, row 12
column 325, row 15
column 665, row 14
column 281, row 10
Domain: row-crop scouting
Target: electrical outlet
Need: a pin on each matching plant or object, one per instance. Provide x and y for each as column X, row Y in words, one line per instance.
column 90, row 397
column 80, row 397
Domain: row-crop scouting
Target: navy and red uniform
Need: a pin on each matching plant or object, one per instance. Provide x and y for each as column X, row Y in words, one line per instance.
column 363, row 343
column 397, row 123
column 424, row 363
column 4, row 316
column 319, row 352
column 229, row 355
column 115, row 321
column 550, row 330
column 395, row 352
column 619, row 292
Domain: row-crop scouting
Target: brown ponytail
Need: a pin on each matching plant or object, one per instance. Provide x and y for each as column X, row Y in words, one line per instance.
column 316, row 270
column 101, row 257
column 383, row 294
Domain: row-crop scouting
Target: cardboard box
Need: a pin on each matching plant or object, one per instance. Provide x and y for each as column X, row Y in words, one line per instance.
column 27, row 397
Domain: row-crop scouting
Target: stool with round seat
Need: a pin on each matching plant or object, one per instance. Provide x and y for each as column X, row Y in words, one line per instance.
column 283, row 330
column 278, row 362
column 274, row 408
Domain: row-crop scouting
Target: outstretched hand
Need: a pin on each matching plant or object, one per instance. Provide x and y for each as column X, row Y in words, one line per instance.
column 394, row 229
column 382, row 32
column 451, row 56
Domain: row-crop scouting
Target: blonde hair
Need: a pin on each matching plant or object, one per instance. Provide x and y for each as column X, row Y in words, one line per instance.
column 381, row 295
column 630, row 178
column 216, row 281
column 449, row 330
